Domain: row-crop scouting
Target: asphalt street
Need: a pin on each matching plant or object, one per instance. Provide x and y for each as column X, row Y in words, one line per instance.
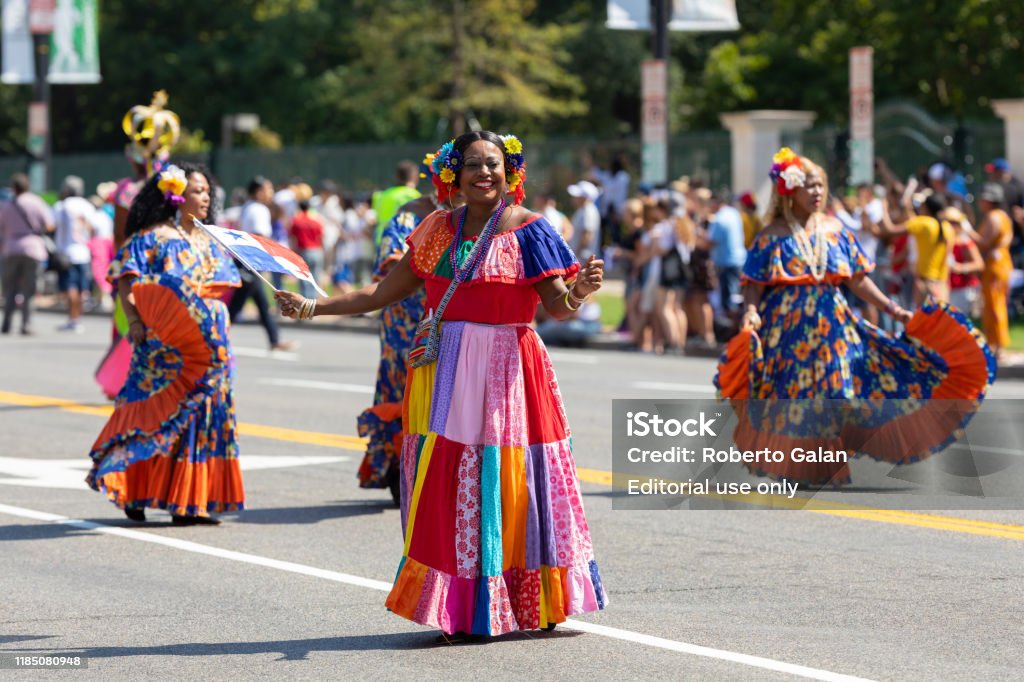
column 292, row 588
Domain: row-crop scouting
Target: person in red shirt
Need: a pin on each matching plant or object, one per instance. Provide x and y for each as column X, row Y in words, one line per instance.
column 307, row 235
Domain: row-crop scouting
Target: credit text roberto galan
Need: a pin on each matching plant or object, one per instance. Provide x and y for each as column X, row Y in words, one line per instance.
column 642, row 424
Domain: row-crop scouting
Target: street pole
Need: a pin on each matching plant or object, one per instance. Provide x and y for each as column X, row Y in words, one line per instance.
column 661, row 15
column 39, row 138
column 654, row 86
column 458, row 82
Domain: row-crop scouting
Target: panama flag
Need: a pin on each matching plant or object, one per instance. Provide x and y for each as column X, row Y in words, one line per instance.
column 260, row 254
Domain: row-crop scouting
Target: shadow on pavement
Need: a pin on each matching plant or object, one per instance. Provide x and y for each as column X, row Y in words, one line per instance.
column 11, row 639
column 44, row 531
column 299, row 515
column 299, row 649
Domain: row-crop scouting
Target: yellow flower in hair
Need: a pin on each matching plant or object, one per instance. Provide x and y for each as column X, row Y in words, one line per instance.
column 513, row 145
column 428, row 159
column 513, row 182
column 447, row 176
column 784, row 155
column 173, row 181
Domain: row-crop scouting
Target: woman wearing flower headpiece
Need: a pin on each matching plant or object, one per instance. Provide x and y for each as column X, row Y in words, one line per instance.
column 495, row 536
column 800, row 340
column 381, row 424
column 170, row 443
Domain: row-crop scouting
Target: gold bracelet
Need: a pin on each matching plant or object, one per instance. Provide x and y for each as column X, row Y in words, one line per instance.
column 569, row 305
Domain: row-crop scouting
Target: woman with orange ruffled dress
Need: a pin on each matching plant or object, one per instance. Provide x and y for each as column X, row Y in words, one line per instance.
column 170, row 443
column 805, row 372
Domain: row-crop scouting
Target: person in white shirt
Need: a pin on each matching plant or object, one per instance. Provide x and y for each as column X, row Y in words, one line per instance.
column 331, row 213
column 545, row 204
column 863, row 221
column 586, row 221
column 72, row 217
column 614, row 194
column 255, row 219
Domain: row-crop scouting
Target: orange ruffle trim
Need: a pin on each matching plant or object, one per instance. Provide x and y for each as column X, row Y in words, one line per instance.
column 903, row 440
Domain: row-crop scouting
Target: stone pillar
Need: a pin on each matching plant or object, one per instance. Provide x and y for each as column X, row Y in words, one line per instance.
column 1012, row 113
column 755, row 137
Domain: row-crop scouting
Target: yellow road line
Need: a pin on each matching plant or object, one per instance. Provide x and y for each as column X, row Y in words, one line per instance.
column 331, row 440
column 597, row 476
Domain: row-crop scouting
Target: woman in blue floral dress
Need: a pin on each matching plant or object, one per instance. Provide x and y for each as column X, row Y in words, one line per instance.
column 806, row 372
column 171, row 441
column 381, row 424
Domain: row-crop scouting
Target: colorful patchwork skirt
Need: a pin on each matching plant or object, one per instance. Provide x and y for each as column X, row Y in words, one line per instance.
column 495, row 535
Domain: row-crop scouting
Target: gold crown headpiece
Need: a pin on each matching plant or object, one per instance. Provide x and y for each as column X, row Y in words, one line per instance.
column 152, row 129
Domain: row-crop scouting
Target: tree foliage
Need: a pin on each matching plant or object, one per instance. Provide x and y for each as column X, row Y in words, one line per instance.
column 331, row 71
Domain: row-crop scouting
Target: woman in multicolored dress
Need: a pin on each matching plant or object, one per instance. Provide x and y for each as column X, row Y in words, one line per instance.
column 495, row 535
column 171, row 441
column 815, row 375
column 382, row 423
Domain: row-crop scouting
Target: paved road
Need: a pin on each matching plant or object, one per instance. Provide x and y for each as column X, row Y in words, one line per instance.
column 292, row 588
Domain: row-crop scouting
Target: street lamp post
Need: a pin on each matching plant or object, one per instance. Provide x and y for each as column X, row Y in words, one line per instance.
column 41, row 14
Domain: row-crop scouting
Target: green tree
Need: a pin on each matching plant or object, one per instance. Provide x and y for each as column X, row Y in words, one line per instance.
column 430, row 66
column 950, row 57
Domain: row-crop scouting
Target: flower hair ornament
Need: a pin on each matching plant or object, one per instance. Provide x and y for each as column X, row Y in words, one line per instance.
column 446, row 162
column 173, row 183
column 515, row 168
column 443, row 164
column 786, row 172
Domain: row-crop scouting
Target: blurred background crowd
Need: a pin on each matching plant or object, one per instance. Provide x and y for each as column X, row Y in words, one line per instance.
column 675, row 252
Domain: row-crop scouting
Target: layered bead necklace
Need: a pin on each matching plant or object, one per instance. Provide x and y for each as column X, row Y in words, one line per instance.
column 816, row 255
column 461, row 274
column 200, row 248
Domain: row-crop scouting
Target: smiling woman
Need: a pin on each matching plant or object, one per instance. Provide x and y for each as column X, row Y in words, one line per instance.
column 170, row 443
column 495, row 535
column 804, row 360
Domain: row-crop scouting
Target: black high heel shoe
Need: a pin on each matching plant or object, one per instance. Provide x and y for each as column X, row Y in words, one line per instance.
column 180, row 520
column 461, row 638
column 135, row 514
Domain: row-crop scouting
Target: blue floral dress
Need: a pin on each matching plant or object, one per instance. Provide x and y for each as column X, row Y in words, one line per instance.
column 171, row 441
column 382, row 423
column 815, row 375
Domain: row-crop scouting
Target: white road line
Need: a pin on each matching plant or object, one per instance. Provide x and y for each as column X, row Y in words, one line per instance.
column 573, row 358
column 69, row 474
column 358, row 581
column 674, row 388
column 319, row 385
column 286, row 356
column 707, row 652
column 970, row 447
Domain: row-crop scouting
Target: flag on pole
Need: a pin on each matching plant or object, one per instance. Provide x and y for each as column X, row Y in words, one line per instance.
column 260, row 254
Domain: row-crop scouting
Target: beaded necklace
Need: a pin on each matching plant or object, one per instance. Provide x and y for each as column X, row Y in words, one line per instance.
column 816, row 256
column 202, row 253
column 461, row 274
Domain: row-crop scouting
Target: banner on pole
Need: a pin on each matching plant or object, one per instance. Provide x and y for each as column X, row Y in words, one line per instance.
column 862, row 117
column 19, row 67
column 687, row 15
column 654, row 125
column 74, row 47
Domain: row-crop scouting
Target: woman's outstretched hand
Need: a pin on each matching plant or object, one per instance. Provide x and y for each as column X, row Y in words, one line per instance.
column 899, row 313
column 289, row 303
column 590, row 277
